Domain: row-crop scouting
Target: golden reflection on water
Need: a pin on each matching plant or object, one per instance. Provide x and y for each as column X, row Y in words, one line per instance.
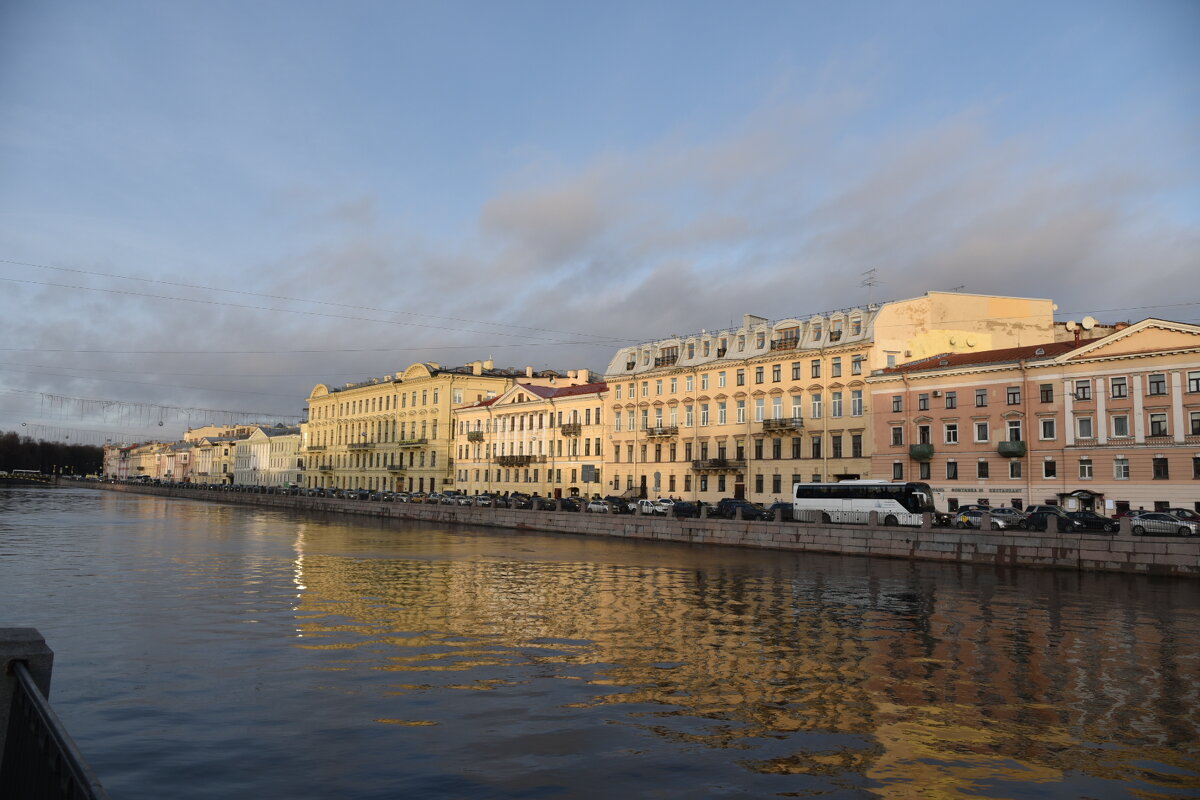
column 929, row 681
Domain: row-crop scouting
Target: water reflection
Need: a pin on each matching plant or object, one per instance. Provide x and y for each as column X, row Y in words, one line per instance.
column 922, row 680
column 258, row 653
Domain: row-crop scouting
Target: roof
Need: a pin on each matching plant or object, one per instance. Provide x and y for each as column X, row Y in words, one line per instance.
column 1006, row 355
column 546, row 392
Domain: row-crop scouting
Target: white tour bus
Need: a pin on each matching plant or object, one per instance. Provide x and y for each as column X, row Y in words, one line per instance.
column 852, row 501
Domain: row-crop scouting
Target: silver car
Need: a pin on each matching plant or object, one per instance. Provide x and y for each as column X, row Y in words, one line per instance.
column 1158, row 522
column 973, row 519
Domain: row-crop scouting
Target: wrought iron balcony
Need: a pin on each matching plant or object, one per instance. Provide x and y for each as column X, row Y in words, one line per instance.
column 514, row 461
column 920, row 452
column 659, row 431
column 571, row 428
column 783, row 424
column 395, row 467
column 666, row 361
column 719, row 464
column 412, row 442
column 1011, row 449
column 474, row 436
column 325, row 467
column 784, row 344
column 361, row 445
column 315, row 448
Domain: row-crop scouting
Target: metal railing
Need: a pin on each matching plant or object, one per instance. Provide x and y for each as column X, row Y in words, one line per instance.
column 39, row 757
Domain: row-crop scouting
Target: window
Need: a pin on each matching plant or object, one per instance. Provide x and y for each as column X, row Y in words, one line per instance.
column 982, row 432
column 816, row 367
column 1049, row 469
column 816, row 446
column 1161, row 471
column 1195, row 423
column 924, row 434
column 856, row 403
column 951, row 433
column 1083, row 390
column 1048, row 428
column 618, row 391
column 981, row 398
column 1157, row 384
column 721, row 416
column 835, row 367
column 703, row 414
column 1014, row 430
column 797, row 370
column 704, row 382
column 646, row 387
column 796, row 451
column 1195, row 467
column 923, row 471
column 897, row 436
column 1158, row 424
column 1193, row 382
column 897, row 402
column 922, row 402
column 982, row 470
column 835, row 404
column 1084, row 429
column 758, row 374
column 897, row 471
column 1120, row 387
column 777, row 448
column 658, row 384
column 1120, row 425
column 674, row 387
column 856, row 445
column 816, row 406
column 1085, row 469
column 855, row 327
column 741, row 410
column 1014, row 469
column 688, row 383
column 951, row 399
column 1121, row 469
column 776, row 372
column 1046, row 392
column 741, row 377
column 951, row 470
column 856, row 363
column 1014, row 395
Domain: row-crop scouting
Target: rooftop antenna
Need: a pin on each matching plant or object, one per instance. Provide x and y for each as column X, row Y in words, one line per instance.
column 870, row 280
column 959, row 288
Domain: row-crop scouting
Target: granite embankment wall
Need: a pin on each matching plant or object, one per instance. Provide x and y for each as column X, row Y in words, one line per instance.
column 1101, row 552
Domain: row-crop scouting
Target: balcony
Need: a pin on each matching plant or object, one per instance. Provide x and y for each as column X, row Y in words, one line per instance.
column 719, row 464
column 514, row 461
column 395, row 467
column 412, row 442
column 920, row 452
column 666, row 361
column 361, row 445
column 571, row 428
column 784, row 344
column 1011, row 449
column 325, row 468
column 784, row 424
column 474, row 436
column 661, row 431
column 315, row 448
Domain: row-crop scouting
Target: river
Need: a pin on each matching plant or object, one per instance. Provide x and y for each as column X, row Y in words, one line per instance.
column 205, row 650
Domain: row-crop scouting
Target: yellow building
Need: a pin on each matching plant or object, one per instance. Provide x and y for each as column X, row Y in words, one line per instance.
column 544, row 440
column 397, row 432
column 747, row 411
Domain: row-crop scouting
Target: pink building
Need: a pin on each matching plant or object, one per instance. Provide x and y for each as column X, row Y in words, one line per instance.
column 1105, row 424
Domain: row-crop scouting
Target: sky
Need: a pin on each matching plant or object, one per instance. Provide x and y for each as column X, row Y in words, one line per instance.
column 206, row 209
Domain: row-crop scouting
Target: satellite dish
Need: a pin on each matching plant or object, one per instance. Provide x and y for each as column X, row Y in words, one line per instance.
column 1072, row 325
column 1088, row 323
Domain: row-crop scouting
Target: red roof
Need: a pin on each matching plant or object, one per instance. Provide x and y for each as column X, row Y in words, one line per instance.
column 1032, row 352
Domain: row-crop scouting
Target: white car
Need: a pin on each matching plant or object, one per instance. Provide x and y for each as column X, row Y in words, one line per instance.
column 599, row 507
column 1157, row 522
column 649, row 507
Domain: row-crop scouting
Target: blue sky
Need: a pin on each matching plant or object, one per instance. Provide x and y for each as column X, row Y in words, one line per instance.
column 537, row 182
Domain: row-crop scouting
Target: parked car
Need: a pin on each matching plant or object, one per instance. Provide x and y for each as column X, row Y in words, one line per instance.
column 569, row 503
column 649, row 507
column 619, row 505
column 402, row 497
column 1183, row 513
column 1040, row 521
column 521, row 501
column 1162, row 523
column 728, row 507
column 786, row 508
column 685, row 509
column 464, row 500
column 416, row 497
column 598, row 507
column 1091, row 521
column 1013, row 516
column 483, row 500
column 974, row 519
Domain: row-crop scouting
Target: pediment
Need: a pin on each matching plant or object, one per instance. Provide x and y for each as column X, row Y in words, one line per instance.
column 1146, row 337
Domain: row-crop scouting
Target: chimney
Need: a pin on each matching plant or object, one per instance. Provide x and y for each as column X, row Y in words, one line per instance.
column 489, row 364
column 476, row 367
column 529, row 372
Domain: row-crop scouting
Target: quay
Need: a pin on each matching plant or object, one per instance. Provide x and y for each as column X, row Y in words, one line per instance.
column 1096, row 552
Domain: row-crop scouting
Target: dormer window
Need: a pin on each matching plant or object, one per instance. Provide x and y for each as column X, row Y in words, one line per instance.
column 855, row 327
column 817, row 330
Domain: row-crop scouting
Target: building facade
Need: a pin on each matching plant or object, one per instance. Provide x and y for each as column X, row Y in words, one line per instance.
column 748, row 411
column 397, row 432
column 1108, row 424
column 543, row 440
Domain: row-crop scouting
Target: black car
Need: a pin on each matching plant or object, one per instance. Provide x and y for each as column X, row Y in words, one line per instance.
column 620, row 505
column 520, row 501
column 1040, row 521
column 728, row 507
column 1091, row 521
column 786, row 508
column 684, row 509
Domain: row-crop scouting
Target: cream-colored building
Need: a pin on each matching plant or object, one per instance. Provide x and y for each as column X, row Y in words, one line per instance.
column 543, row 440
column 213, row 460
column 747, row 411
column 397, row 432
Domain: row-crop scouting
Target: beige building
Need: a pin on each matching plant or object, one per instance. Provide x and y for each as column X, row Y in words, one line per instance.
column 1108, row 424
column 543, row 440
column 397, row 432
column 213, row 460
column 747, row 411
